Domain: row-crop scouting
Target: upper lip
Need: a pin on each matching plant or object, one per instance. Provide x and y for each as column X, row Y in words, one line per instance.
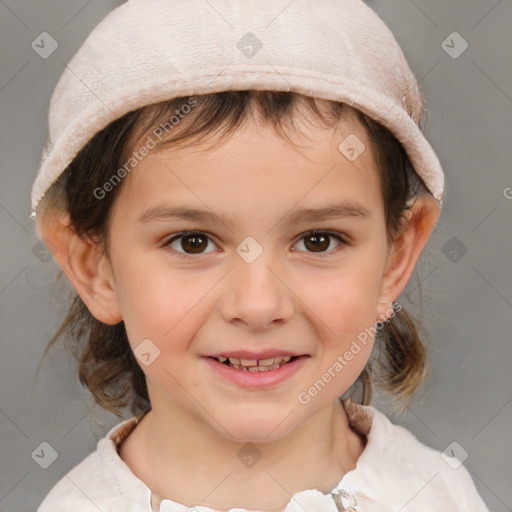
column 255, row 356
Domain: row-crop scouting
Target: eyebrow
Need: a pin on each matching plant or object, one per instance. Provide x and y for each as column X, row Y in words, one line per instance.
column 330, row 211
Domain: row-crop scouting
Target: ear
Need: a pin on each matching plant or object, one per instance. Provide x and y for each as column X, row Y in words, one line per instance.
column 418, row 225
column 85, row 264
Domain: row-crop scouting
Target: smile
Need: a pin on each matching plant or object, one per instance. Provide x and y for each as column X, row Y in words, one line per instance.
column 265, row 372
column 254, row 365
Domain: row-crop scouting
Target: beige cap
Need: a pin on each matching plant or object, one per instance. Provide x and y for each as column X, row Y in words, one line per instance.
column 147, row 51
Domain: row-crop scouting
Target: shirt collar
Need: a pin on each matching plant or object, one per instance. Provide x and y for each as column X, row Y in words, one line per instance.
column 374, row 477
column 131, row 488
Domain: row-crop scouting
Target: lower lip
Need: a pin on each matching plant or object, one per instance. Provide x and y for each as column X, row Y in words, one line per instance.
column 258, row 379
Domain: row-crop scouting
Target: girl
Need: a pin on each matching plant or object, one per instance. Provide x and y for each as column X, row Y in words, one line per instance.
column 239, row 195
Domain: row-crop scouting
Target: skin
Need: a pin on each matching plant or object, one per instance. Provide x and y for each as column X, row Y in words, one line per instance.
column 290, row 298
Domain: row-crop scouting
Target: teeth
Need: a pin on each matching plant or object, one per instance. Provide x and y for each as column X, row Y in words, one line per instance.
column 266, row 362
column 253, row 365
column 248, row 362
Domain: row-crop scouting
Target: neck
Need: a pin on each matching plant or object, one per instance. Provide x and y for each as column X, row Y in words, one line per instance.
column 181, row 459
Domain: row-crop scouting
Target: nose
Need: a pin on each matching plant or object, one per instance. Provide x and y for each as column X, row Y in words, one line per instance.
column 256, row 295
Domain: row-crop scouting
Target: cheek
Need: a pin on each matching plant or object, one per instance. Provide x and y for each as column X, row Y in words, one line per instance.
column 148, row 301
column 162, row 306
column 346, row 301
column 344, row 306
column 160, row 317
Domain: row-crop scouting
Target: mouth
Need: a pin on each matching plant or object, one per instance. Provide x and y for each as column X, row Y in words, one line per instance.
column 256, row 365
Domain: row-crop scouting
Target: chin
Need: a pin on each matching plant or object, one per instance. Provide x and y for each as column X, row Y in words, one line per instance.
column 257, row 426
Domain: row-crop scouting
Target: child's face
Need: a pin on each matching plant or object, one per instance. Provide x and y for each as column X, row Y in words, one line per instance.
column 301, row 295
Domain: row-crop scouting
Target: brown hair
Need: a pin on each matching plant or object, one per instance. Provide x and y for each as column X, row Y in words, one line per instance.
column 106, row 364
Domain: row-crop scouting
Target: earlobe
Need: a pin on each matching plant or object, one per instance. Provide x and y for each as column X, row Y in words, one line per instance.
column 85, row 265
column 419, row 223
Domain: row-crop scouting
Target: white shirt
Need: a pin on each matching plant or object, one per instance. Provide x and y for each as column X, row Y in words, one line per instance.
column 395, row 472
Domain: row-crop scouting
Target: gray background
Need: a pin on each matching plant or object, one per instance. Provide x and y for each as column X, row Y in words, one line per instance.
column 466, row 297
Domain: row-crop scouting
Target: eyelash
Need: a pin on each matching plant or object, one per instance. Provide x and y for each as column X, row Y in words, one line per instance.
column 183, row 234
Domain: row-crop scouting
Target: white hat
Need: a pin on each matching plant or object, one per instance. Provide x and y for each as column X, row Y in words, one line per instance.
column 147, row 51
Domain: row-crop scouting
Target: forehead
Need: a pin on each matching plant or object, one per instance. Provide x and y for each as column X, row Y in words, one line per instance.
column 256, row 166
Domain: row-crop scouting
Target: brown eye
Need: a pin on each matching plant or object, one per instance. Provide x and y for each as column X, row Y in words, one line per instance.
column 317, row 242
column 189, row 243
column 196, row 243
column 320, row 241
